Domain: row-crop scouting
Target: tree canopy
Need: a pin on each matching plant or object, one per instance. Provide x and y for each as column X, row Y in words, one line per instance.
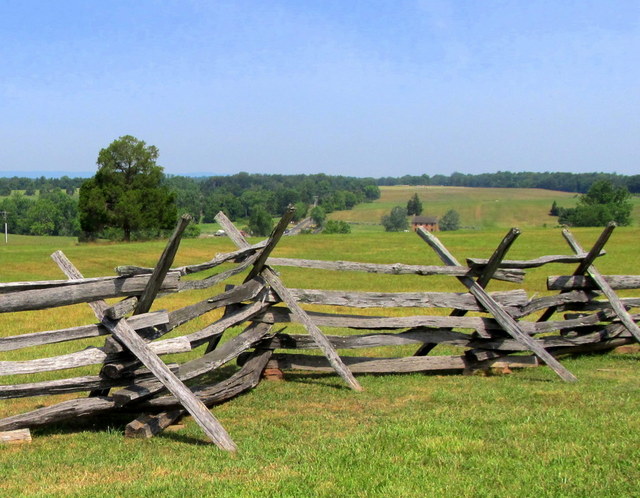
column 396, row 220
column 414, row 206
column 604, row 202
column 450, row 221
column 126, row 192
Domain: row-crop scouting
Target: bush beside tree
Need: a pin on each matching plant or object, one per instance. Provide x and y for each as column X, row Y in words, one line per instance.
column 336, row 226
column 450, row 221
column 396, row 220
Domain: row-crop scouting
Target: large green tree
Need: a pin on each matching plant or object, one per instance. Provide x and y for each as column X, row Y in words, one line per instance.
column 126, row 192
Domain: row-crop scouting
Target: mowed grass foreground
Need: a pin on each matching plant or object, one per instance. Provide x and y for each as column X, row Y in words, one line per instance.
column 525, row 434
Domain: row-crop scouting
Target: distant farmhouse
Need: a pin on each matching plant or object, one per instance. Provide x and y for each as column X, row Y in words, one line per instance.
column 429, row 223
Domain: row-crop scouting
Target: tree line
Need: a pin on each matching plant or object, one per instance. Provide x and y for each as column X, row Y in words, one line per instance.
column 129, row 197
column 564, row 182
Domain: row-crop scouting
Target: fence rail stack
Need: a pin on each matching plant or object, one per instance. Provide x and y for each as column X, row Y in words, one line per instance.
column 508, row 329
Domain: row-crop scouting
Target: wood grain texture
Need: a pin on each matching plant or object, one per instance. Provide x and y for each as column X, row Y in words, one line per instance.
column 505, row 320
column 393, row 269
column 80, row 292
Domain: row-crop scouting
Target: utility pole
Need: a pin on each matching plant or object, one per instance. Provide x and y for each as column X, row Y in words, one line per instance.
column 6, row 236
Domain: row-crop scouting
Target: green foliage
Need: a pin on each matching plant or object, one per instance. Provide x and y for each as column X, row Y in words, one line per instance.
column 126, row 191
column 565, row 182
column 336, row 226
column 318, row 215
column 450, row 221
column 396, row 220
column 604, row 202
column 260, row 222
column 52, row 213
column 371, row 193
column 414, row 206
column 301, row 211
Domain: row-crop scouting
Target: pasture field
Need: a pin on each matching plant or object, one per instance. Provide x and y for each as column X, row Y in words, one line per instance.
column 479, row 208
column 525, row 434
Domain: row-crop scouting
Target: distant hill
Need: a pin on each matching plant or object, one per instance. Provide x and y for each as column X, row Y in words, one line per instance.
column 479, row 208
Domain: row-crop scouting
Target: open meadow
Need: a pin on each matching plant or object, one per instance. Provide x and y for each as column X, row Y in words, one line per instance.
column 523, row 434
column 479, row 208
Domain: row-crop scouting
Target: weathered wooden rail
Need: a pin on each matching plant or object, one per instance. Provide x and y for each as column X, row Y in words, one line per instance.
column 132, row 378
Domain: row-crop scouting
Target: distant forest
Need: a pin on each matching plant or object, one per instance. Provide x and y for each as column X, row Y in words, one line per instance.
column 48, row 206
column 564, row 182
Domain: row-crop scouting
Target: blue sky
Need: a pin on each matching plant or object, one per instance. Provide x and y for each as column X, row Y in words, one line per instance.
column 358, row 88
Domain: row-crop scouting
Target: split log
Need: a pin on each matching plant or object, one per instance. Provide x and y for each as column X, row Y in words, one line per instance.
column 235, row 256
column 557, row 301
column 283, row 315
column 80, row 291
column 74, row 408
column 414, row 336
column 209, row 424
column 246, row 378
column 15, row 437
column 82, row 332
column 365, row 365
column 244, row 292
column 465, row 301
column 160, row 271
column 89, row 356
column 208, row 282
column 483, row 279
column 194, row 368
column 121, row 309
column 531, row 263
column 147, row 426
column 82, row 407
column 75, row 384
column 606, row 289
column 617, row 282
column 506, row 321
column 115, row 367
column 276, row 284
column 394, row 269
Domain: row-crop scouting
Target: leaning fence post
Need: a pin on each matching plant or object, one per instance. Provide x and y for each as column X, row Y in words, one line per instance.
column 501, row 316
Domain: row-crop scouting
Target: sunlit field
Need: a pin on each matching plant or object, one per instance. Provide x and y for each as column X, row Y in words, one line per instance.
column 479, row 208
column 522, row 434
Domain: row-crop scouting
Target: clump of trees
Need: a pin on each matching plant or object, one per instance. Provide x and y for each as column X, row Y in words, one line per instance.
column 450, row 221
column 260, row 222
column 336, row 226
column 52, row 213
column 318, row 215
column 414, row 206
column 396, row 220
column 126, row 194
column 604, row 202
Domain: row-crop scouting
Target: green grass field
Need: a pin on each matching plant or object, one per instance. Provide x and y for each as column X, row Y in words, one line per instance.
column 525, row 434
column 479, row 208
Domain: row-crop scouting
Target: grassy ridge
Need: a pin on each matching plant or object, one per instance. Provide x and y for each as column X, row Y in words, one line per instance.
column 479, row 208
column 407, row 435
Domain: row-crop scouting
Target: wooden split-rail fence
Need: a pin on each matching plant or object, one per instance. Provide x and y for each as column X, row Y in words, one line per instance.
column 508, row 329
